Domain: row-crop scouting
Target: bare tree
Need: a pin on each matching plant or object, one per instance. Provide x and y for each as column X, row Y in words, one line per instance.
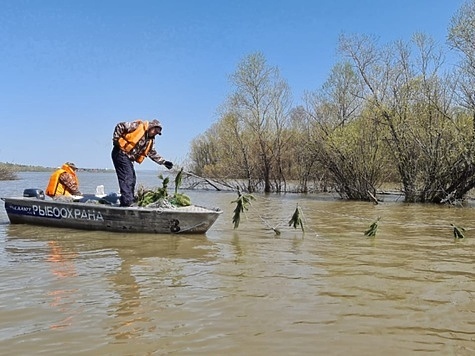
column 344, row 137
column 462, row 38
column 411, row 104
column 260, row 103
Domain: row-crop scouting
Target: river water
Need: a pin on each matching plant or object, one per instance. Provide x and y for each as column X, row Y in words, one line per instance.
column 327, row 291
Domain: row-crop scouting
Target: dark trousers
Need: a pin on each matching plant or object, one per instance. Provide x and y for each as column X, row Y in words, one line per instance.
column 125, row 171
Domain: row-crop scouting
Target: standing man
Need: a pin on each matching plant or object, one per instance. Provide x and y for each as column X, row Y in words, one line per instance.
column 63, row 181
column 133, row 141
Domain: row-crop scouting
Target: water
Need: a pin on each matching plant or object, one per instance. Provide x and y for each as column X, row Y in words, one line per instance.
column 328, row 291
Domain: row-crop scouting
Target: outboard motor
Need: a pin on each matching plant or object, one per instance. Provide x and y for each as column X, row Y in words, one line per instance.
column 34, row 193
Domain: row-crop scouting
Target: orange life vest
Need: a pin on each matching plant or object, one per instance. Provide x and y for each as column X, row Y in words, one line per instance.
column 130, row 140
column 55, row 187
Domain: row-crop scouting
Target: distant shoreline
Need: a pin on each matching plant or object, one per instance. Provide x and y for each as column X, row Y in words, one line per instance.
column 14, row 167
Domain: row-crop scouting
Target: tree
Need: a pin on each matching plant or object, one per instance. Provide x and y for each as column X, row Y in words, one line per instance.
column 251, row 136
column 261, row 103
column 411, row 104
column 345, row 139
column 302, row 160
column 462, row 38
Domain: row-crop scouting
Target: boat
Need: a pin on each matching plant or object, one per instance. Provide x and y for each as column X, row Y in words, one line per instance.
column 91, row 212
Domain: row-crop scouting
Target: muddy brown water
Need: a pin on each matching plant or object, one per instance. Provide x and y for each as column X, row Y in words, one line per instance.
column 246, row 291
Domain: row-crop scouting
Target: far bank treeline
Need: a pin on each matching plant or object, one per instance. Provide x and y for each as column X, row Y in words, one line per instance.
column 8, row 171
column 393, row 113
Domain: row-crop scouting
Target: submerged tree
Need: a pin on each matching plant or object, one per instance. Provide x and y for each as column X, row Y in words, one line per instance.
column 412, row 105
column 261, row 103
column 345, row 138
column 252, row 134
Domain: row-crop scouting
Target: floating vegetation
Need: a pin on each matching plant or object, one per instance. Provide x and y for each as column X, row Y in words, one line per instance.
column 242, row 204
column 296, row 220
column 373, row 228
column 160, row 197
column 458, row 232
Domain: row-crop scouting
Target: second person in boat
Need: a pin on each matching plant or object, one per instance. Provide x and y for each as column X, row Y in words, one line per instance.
column 64, row 182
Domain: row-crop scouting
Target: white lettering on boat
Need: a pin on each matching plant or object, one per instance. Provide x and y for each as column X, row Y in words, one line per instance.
column 21, row 209
column 64, row 213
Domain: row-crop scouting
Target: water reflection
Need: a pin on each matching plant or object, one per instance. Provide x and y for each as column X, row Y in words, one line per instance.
column 330, row 290
column 126, row 262
column 62, row 266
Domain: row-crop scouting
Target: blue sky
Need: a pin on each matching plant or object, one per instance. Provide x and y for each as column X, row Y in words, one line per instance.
column 71, row 69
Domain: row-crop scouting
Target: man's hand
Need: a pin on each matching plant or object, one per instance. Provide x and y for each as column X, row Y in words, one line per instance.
column 168, row 164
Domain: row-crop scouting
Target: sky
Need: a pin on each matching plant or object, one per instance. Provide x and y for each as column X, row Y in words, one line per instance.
column 70, row 70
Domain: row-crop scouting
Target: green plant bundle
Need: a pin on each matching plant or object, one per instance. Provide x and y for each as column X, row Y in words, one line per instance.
column 180, row 199
column 146, row 197
column 165, row 181
column 373, row 228
column 296, row 220
column 178, row 179
column 458, row 232
column 242, row 204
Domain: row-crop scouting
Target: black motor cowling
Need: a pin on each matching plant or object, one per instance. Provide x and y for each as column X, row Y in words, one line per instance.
column 34, row 193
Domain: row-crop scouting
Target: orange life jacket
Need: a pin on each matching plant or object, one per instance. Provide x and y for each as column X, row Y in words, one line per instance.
column 130, row 140
column 55, row 187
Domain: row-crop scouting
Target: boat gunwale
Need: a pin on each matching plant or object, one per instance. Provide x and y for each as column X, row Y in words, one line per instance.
column 193, row 218
column 182, row 209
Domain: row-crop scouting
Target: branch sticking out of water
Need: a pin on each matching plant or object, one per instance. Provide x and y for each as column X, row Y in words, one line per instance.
column 242, row 204
column 373, row 228
column 296, row 220
column 458, row 232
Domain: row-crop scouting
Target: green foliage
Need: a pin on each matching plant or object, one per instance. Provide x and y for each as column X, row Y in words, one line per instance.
column 178, row 180
column 180, row 199
column 296, row 220
column 146, row 197
column 373, row 228
column 242, row 203
column 458, row 232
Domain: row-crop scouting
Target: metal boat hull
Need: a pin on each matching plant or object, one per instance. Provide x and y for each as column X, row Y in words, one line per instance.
column 90, row 216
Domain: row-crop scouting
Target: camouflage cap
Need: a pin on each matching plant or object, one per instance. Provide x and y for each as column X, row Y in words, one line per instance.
column 155, row 123
column 72, row 165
